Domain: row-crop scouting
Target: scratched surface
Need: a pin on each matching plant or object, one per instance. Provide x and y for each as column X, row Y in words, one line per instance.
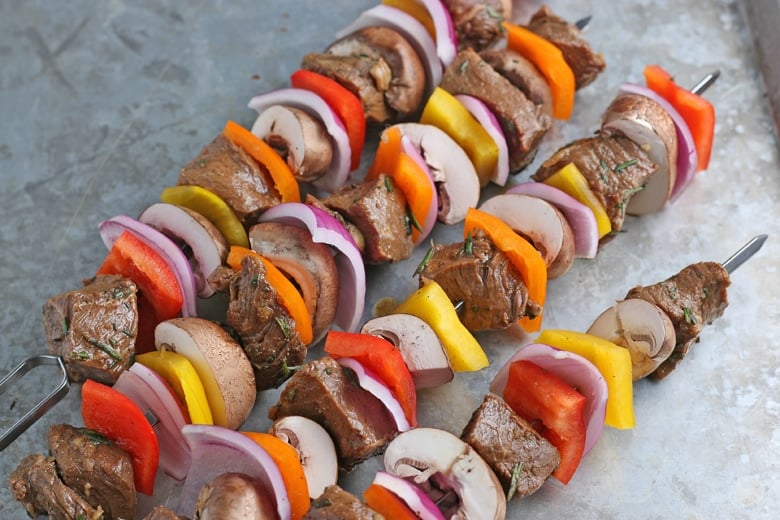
column 103, row 102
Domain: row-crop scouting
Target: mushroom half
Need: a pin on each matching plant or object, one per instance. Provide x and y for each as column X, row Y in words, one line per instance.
column 641, row 327
column 315, row 448
column 419, row 345
column 457, row 182
column 450, row 472
column 236, row 496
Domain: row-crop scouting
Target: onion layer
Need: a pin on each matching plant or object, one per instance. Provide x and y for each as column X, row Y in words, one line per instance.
column 372, row 384
column 576, row 371
column 413, row 496
column 216, row 450
column 111, row 229
column 327, row 230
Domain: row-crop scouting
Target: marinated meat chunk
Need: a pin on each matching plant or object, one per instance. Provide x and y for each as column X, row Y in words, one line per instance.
column 96, row 468
column 378, row 209
column 266, row 329
column 37, row 486
column 509, row 444
column 229, row 172
column 163, row 513
column 524, row 123
column 476, row 273
column 94, row 328
column 522, row 74
column 477, row 24
column 584, row 62
column 615, row 167
column 359, row 74
column 692, row 298
column 337, row 504
column 325, row 392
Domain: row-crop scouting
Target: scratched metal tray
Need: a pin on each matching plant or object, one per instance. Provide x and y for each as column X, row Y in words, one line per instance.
column 103, row 102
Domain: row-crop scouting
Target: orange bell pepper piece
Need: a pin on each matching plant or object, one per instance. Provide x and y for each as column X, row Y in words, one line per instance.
column 524, row 257
column 549, row 60
column 347, row 106
column 117, row 418
column 291, row 299
column 387, row 503
column 698, row 113
column 288, row 461
column 284, row 180
column 407, row 175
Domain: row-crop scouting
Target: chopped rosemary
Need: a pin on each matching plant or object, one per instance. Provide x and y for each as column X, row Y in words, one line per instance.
column 113, row 354
column 285, row 326
column 117, row 293
column 288, row 370
column 411, row 222
column 513, row 482
column 468, row 245
column 202, row 163
column 688, row 316
column 94, row 437
column 389, row 185
column 622, row 166
column 426, row 259
column 65, row 325
column 463, row 66
column 291, row 395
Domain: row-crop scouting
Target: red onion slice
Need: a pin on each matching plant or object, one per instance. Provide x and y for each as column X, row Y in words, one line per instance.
column 412, row 496
column 446, row 40
column 687, row 158
column 408, row 26
column 152, row 394
column 327, row 230
column 578, row 215
column 369, row 382
column 309, row 102
column 216, row 450
column 487, row 119
column 576, row 371
column 410, row 149
column 111, row 229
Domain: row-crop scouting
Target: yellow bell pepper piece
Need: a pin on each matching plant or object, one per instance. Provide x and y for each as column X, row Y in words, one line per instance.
column 211, row 206
column 613, row 362
column 179, row 373
column 431, row 304
column 570, row 179
column 443, row 110
column 416, row 11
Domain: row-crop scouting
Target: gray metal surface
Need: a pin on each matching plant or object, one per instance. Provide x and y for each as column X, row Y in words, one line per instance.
column 103, row 102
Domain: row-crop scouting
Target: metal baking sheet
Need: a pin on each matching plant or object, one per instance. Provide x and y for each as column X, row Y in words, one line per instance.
column 103, row 102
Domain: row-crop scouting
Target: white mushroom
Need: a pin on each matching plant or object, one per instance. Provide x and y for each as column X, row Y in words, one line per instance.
column 315, row 447
column 419, row 345
column 235, row 496
column 457, row 182
column 220, row 362
column 206, row 246
column 541, row 223
column 299, row 137
column 650, row 126
column 640, row 326
column 450, row 471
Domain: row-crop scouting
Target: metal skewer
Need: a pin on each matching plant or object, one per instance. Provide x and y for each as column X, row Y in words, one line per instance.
column 706, row 82
column 583, row 23
column 744, row 253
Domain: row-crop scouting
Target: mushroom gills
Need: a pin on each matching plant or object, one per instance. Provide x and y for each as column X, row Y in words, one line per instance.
column 419, row 345
column 300, row 139
column 316, row 449
column 641, row 327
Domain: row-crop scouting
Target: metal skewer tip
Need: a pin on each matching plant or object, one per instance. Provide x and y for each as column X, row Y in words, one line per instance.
column 744, row 253
column 583, row 23
column 706, row 82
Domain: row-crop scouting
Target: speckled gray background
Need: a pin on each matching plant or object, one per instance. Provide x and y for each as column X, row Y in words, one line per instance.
column 102, row 101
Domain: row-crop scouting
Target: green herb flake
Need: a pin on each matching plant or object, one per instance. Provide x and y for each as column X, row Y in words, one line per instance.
column 389, row 185
column 705, row 293
column 288, row 370
column 285, row 326
column 202, row 163
column 127, row 333
column 688, row 316
column 94, row 437
column 425, row 261
column 513, row 482
column 290, row 396
column 468, row 245
column 65, row 326
column 319, row 503
column 117, row 293
column 413, row 221
column 463, row 66
column 622, row 166
column 112, row 353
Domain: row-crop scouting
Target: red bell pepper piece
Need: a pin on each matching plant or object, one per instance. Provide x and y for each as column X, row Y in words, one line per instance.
column 698, row 113
column 380, row 357
column 119, row 419
column 536, row 394
column 130, row 257
column 346, row 105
